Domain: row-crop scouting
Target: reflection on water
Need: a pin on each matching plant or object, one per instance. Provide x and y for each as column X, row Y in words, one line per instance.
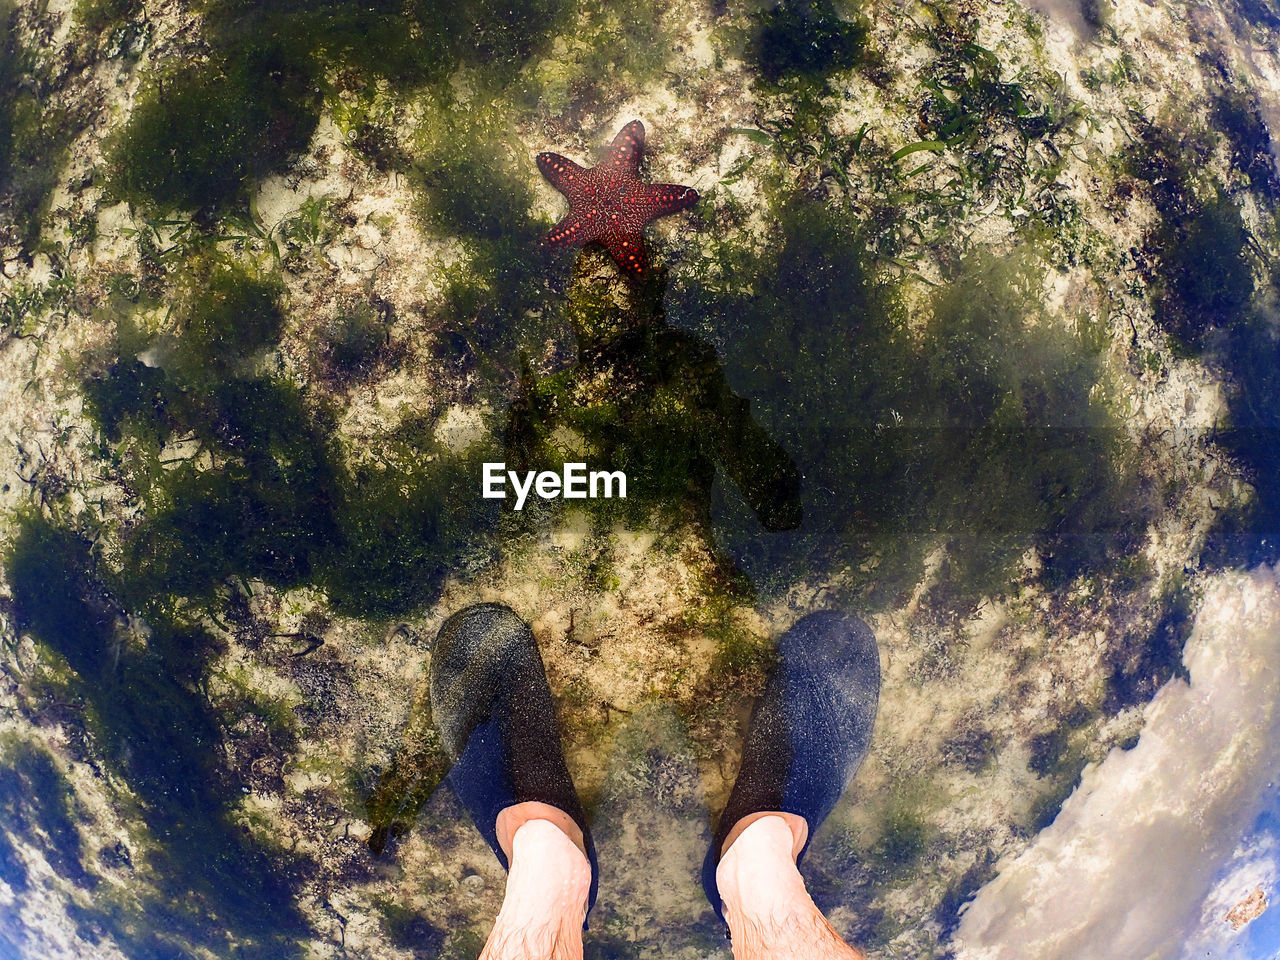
column 206, row 882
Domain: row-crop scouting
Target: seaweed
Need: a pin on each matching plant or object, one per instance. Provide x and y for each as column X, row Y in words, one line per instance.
column 36, row 130
column 403, row 521
column 1045, row 809
column 202, row 135
column 412, row 931
column 1239, row 118
column 262, row 511
column 670, row 421
column 356, row 344
column 1205, row 283
column 807, row 39
column 199, row 137
column 259, row 488
column 968, row 106
column 417, row 769
column 606, row 51
column 112, row 28
column 471, row 186
column 903, row 838
column 97, row 16
column 225, row 316
column 1047, row 750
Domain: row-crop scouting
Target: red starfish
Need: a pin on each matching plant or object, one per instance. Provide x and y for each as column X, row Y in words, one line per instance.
column 609, row 203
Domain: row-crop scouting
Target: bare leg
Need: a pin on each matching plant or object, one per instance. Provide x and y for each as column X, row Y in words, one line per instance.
column 770, row 913
column 547, row 886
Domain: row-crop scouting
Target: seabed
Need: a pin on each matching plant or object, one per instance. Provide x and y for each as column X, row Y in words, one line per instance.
column 973, row 333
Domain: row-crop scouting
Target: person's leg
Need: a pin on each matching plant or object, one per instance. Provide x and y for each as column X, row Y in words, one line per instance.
column 769, row 912
column 808, row 735
column 493, row 708
column 547, row 887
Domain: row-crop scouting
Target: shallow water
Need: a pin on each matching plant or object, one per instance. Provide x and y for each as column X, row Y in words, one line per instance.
column 971, row 334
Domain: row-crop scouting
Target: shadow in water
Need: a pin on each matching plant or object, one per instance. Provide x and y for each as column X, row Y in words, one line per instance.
column 960, row 423
column 643, row 398
column 653, row 402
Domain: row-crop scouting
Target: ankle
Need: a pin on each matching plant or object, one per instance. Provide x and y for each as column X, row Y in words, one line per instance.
column 546, row 897
column 766, row 905
column 758, row 871
column 512, row 818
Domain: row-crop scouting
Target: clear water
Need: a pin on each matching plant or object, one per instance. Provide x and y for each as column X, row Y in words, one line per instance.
column 828, row 392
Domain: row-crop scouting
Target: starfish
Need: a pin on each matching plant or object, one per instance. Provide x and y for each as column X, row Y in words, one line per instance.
column 609, row 203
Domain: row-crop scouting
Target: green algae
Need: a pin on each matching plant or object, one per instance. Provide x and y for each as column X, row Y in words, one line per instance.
column 202, row 135
column 463, row 945
column 601, row 54
column 475, row 179
column 410, row 930
column 356, row 345
column 259, row 513
column 112, row 28
column 252, row 106
column 199, row 137
column 903, row 838
column 409, row 781
column 225, row 316
column 263, row 490
column 98, row 16
column 248, row 495
column 474, row 182
column 404, row 521
column 1205, row 283
column 36, row 130
column 670, row 420
column 807, row 39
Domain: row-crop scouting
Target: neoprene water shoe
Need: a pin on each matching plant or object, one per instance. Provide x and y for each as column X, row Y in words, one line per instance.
column 493, row 708
column 809, row 732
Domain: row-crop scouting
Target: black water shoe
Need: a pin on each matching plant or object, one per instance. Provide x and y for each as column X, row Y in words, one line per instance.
column 809, row 732
column 492, row 706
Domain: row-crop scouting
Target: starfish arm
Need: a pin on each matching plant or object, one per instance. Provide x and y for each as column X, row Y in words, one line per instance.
column 569, row 232
column 628, row 251
column 623, row 156
column 560, row 171
column 661, row 199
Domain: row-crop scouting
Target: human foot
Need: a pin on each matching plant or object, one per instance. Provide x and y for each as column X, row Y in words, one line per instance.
column 809, row 733
column 491, row 702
